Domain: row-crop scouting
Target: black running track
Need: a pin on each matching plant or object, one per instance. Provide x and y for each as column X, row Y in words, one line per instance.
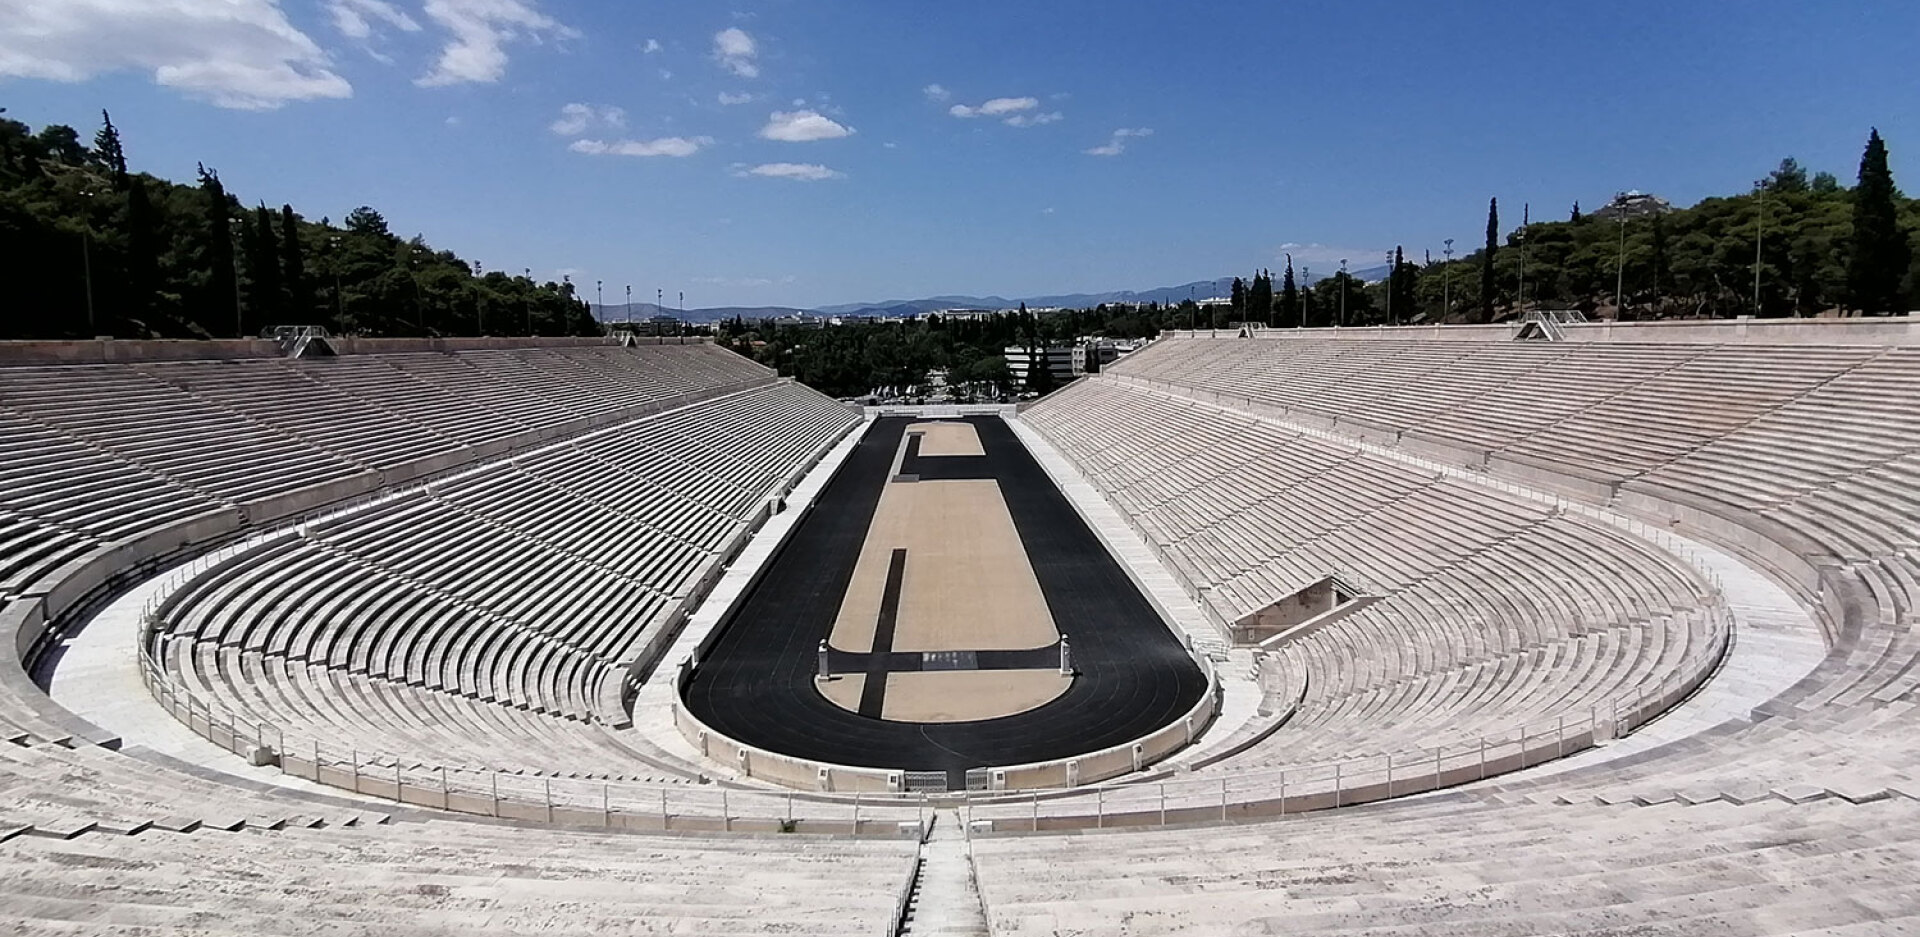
column 756, row 684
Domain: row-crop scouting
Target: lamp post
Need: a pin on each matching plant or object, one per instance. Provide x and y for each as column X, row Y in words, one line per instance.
column 1620, row 273
column 480, row 296
column 1306, row 285
column 339, row 306
column 233, row 257
column 1759, row 233
column 1446, row 281
column 1520, row 301
column 1343, row 293
column 599, row 300
column 526, row 301
column 626, row 313
column 86, row 258
column 1393, row 270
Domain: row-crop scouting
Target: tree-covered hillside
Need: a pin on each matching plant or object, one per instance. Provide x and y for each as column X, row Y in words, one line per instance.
column 90, row 247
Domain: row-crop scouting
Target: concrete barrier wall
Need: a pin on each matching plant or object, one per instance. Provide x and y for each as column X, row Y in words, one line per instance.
column 120, row 351
column 1876, row 330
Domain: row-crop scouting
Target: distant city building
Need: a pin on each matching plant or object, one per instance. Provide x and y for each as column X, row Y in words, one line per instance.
column 1065, row 361
column 658, row 325
column 1100, row 352
column 1633, row 204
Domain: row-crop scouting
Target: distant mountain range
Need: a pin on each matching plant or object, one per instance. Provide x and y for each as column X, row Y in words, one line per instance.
column 1199, row 289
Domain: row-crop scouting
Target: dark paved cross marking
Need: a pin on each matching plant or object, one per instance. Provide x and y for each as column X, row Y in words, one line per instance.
column 873, row 694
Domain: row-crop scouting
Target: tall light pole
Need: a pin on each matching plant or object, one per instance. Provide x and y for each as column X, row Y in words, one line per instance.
column 1759, row 232
column 1343, row 293
column 599, row 299
column 1620, row 273
column 627, row 312
column 1520, row 302
column 1446, row 281
column 86, row 259
column 480, row 296
column 339, row 302
column 527, row 303
column 239, row 318
column 1392, row 271
column 1306, row 283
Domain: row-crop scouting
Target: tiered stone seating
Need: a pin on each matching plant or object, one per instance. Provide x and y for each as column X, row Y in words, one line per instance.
column 448, row 878
column 1496, row 611
column 531, row 582
column 1460, row 865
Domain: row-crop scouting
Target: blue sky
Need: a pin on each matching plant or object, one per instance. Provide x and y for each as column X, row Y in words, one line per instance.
column 808, row 153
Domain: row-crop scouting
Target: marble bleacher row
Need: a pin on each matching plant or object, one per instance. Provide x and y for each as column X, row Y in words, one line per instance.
column 97, row 840
column 532, row 582
column 1497, row 610
column 1813, row 450
column 1463, row 865
column 448, row 878
column 90, row 455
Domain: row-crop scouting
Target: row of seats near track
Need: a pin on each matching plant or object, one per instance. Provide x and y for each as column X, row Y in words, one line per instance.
column 1497, row 610
column 531, row 583
column 93, row 454
column 1816, row 448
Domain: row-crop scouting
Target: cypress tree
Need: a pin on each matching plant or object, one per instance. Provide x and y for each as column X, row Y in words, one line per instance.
column 109, row 151
column 1260, row 298
column 1487, row 259
column 293, row 265
column 223, row 288
column 143, row 249
column 263, row 265
column 1289, row 299
column 1880, row 252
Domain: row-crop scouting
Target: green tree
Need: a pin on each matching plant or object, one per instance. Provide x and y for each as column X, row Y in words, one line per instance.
column 1879, row 253
column 1487, row 255
column 1260, row 298
column 109, row 151
column 268, row 298
column 223, row 286
column 1288, row 315
column 293, row 266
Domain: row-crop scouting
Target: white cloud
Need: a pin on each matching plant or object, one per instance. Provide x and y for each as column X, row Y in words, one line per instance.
column 1117, row 144
column 481, row 29
column 802, row 172
column 998, row 107
column 802, row 127
column 652, row 46
column 737, row 52
column 234, row 53
column 665, row 146
column 576, row 119
column 732, row 99
column 1033, row 120
column 936, row 93
column 353, row 17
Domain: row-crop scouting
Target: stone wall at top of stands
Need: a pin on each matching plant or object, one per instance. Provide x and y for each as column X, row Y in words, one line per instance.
column 1877, row 330
column 115, row 351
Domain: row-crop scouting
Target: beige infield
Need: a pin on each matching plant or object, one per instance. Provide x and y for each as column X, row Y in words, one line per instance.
column 967, row 585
